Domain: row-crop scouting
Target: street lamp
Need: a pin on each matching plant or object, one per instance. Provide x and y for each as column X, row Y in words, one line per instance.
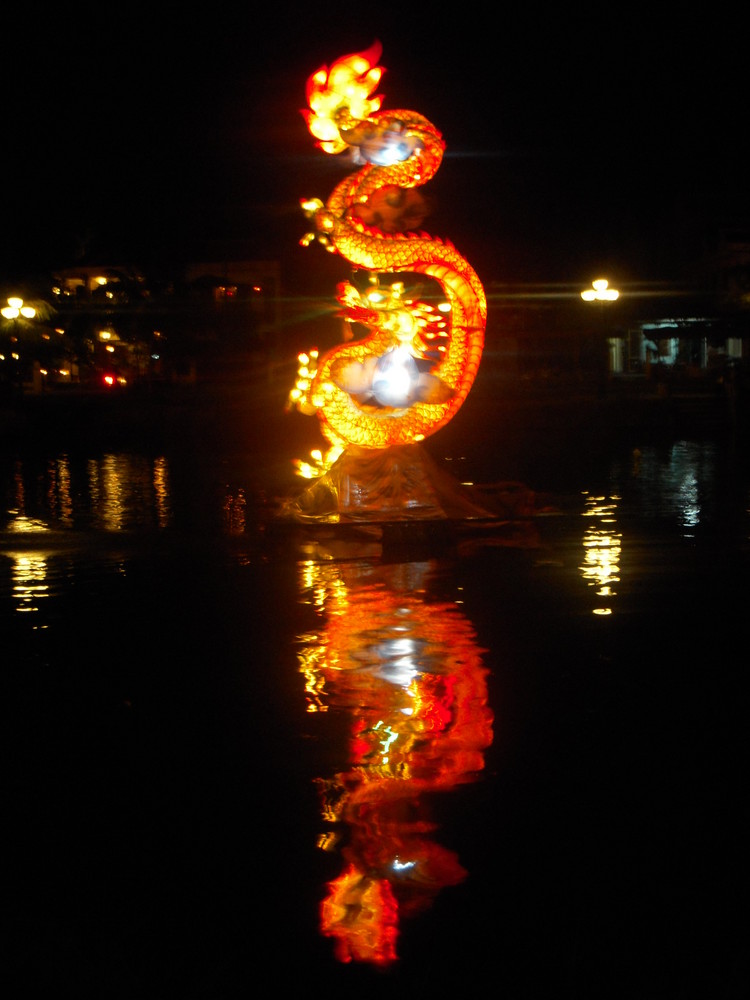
column 13, row 312
column 15, row 308
column 600, row 292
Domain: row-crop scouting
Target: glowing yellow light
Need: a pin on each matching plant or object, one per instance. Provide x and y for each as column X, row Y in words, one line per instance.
column 311, row 205
column 16, row 308
column 600, row 291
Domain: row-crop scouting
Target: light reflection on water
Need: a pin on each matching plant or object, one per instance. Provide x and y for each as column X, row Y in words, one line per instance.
column 602, row 546
column 676, row 482
column 126, row 491
column 397, row 692
column 59, row 503
column 48, row 502
column 30, row 569
column 111, row 492
column 402, row 664
column 29, row 581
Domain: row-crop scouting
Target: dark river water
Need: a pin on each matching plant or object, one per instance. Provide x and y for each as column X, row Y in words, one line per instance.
column 246, row 759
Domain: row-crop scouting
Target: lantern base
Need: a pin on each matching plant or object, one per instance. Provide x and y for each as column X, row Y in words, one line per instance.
column 402, row 483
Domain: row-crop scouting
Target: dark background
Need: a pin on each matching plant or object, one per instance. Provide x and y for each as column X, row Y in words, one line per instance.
column 578, row 140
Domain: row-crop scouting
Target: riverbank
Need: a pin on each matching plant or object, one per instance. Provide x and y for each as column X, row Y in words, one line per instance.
column 233, row 414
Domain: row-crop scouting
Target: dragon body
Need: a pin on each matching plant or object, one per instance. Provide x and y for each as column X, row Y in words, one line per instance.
column 400, row 151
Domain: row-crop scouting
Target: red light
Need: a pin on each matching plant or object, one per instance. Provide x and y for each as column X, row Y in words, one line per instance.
column 109, row 380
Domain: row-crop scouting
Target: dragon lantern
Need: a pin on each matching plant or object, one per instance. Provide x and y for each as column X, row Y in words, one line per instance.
column 413, row 370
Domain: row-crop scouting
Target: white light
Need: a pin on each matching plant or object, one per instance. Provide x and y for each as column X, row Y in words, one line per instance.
column 395, row 378
column 600, row 291
column 400, row 866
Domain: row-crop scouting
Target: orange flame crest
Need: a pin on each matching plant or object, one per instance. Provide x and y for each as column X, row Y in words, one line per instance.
column 342, row 95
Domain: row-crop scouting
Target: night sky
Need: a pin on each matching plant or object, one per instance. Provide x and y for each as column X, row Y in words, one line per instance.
column 576, row 143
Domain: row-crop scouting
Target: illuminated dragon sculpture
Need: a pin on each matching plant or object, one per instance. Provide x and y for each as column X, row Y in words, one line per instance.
column 410, row 375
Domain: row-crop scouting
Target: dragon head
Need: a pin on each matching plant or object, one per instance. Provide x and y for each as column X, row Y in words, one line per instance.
column 340, row 98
